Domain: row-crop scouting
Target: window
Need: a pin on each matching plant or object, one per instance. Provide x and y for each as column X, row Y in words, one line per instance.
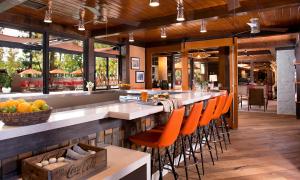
column 66, row 64
column 107, row 66
column 21, row 60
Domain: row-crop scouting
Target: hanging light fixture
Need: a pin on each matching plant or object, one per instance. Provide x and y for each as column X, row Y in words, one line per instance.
column 47, row 18
column 131, row 38
column 81, row 25
column 180, row 11
column 154, row 3
column 81, row 20
column 203, row 26
column 163, row 33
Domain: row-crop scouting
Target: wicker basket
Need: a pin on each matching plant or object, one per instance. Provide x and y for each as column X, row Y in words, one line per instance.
column 24, row 119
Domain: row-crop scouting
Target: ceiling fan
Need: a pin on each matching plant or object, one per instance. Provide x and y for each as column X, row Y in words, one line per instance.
column 255, row 28
column 102, row 15
column 8, row 4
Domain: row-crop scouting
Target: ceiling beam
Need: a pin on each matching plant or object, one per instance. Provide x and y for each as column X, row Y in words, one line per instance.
column 32, row 24
column 212, row 12
column 256, row 58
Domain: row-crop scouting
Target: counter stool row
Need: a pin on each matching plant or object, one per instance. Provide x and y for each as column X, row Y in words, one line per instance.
column 199, row 128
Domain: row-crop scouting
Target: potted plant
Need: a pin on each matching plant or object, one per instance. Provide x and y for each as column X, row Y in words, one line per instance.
column 6, row 83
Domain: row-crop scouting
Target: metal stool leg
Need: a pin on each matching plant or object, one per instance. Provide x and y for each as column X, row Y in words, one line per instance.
column 171, row 163
column 209, row 147
column 184, row 156
column 194, row 157
column 160, row 165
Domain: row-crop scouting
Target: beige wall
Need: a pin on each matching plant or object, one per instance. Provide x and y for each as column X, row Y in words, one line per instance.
column 135, row 51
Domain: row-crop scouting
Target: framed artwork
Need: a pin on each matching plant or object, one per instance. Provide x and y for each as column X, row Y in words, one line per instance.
column 135, row 63
column 139, row 76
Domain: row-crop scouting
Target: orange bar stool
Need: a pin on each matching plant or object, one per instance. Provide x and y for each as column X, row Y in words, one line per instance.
column 187, row 130
column 203, row 125
column 224, row 111
column 164, row 139
column 213, row 125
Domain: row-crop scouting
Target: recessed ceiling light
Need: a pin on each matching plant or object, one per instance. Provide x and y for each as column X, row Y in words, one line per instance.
column 154, row 3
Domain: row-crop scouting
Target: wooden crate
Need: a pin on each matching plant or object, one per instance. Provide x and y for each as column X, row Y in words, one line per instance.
column 77, row 169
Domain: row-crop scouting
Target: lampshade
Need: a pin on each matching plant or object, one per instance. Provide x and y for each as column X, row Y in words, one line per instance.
column 131, row 38
column 163, row 33
column 81, row 25
column 213, row 78
column 48, row 18
column 154, row 3
column 203, row 26
column 180, row 12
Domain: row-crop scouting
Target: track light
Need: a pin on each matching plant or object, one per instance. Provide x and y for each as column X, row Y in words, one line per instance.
column 163, row 33
column 81, row 25
column 47, row 18
column 203, row 26
column 180, row 12
column 131, row 38
column 154, row 3
column 81, row 20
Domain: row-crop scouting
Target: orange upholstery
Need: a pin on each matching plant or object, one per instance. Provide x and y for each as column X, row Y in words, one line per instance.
column 165, row 138
column 227, row 104
column 190, row 125
column 220, row 105
column 207, row 115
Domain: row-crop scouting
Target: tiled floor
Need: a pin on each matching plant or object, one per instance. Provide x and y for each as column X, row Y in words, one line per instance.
column 265, row 146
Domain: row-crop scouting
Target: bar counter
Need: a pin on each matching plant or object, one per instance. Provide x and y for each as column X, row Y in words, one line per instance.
column 112, row 122
column 117, row 110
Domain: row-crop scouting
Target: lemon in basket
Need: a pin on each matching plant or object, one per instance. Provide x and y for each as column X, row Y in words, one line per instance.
column 39, row 103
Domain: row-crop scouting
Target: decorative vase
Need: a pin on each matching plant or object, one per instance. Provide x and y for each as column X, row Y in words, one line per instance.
column 6, row 90
column 90, row 90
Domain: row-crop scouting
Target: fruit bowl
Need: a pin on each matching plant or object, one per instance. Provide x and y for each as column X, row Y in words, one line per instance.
column 21, row 113
column 25, row 119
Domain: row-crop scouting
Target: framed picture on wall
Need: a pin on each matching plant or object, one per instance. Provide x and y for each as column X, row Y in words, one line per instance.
column 135, row 63
column 139, row 76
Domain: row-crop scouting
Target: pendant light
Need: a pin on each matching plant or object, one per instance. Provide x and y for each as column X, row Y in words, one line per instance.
column 48, row 12
column 81, row 25
column 203, row 26
column 131, row 38
column 180, row 11
column 163, row 33
column 81, row 20
column 154, row 3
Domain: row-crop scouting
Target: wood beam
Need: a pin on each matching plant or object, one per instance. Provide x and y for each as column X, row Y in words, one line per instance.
column 257, row 58
column 32, row 24
column 212, row 12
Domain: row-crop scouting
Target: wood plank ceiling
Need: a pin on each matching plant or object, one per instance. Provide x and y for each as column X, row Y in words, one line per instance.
column 221, row 22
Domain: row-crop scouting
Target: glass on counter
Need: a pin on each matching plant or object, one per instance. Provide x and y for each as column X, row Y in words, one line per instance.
column 144, row 96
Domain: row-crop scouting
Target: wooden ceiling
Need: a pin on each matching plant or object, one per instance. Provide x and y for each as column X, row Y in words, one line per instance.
column 123, row 13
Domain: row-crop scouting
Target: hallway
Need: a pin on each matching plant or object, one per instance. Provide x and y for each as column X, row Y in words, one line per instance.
column 266, row 146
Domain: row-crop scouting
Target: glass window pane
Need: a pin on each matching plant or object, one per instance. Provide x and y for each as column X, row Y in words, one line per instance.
column 66, row 64
column 21, row 60
column 101, row 73
column 113, row 65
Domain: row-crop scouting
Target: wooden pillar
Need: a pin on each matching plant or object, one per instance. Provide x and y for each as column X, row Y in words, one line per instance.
column 46, row 63
column 251, row 71
column 148, row 69
column 185, row 67
column 297, row 64
column 234, row 83
column 88, row 61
